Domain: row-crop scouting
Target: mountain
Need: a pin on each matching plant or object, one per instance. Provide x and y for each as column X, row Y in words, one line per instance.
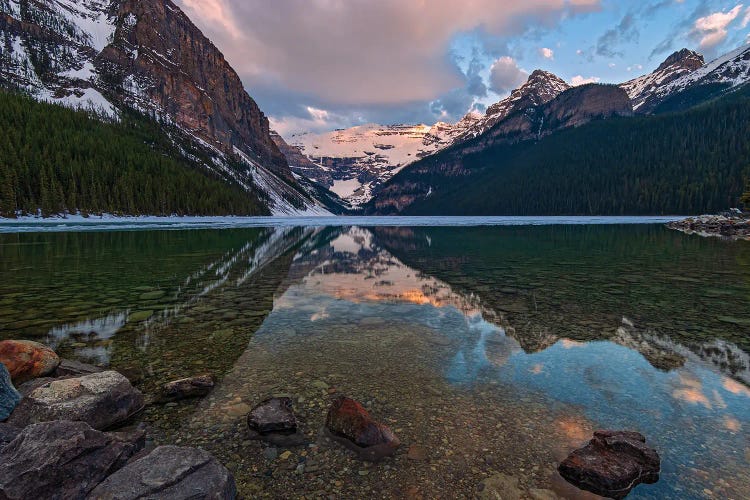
column 147, row 56
column 679, row 163
column 645, row 91
column 354, row 162
column 572, row 108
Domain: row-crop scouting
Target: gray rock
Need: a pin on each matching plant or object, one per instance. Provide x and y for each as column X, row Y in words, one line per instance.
column 70, row 368
column 187, row 388
column 9, row 396
column 28, row 387
column 102, row 400
column 7, row 434
column 169, row 472
column 273, row 415
column 60, row 460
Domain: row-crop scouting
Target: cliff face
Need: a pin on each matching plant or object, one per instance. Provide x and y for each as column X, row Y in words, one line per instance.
column 147, row 55
column 160, row 61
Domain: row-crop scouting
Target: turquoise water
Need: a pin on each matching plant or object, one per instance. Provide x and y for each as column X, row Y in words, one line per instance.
column 497, row 348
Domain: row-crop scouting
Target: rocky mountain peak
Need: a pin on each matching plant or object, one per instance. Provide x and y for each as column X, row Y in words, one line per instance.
column 685, row 58
column 540, row 88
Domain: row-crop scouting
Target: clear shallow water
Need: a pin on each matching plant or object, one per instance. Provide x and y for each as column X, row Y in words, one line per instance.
column 498, row 349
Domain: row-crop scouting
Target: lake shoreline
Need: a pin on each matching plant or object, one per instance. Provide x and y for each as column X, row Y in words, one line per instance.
column 714, row 226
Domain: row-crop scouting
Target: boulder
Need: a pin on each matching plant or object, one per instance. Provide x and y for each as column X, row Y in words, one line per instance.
column 349, row 421
column 28, row 387
column 273, row 421
column 26, row 360
column 9, row 396
column 70, row 368
column 102, row 400
column 187, row 388
column 60, row 460
column 612, row 464
column 7, row 434
column 169, row 472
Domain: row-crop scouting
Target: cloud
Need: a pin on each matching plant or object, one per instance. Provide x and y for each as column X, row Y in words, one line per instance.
column 746, row 19
column 505, row 75
column 713, row 29
column 547, row 53
column 625, row 31
column 579, row 80
column 360, row 52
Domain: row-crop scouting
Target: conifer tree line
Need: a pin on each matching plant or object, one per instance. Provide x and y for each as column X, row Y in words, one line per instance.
column 59, row 160
column 682, row 163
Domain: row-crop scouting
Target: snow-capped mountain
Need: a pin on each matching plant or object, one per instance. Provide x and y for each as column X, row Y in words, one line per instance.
column 146, row 55
column 644, row 90
column 354, row 162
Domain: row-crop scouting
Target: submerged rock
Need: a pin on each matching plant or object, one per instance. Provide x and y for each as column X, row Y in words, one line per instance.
column 193, row 387
column 169, row 472
column 612, row 464
column 9, row 396
column 26, row 360
column 102, row 400
column 274, row 421
column 60, row 460
column 348, row 420
column 500, row 486
column 70, row 368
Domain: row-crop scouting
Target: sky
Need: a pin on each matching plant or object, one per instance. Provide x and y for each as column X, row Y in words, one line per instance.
column 319, row 65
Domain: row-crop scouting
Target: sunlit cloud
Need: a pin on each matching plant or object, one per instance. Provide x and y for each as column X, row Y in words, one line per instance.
column 714, row 28
column 735, row 387
column 579, row 80
column 547, row 53
column 691, row 392
column 732, row 424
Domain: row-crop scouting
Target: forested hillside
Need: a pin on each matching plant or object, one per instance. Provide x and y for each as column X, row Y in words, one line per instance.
column 59, row 160
column 690, row 162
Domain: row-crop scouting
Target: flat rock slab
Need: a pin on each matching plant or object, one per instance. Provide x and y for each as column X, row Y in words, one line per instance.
column 612, row 464
column 349, row 421
column 102, row 400
column 187, row 388
column 169, row 472
column 70, row 368
column 60, row 460
column 9, row 396
column 26, row 360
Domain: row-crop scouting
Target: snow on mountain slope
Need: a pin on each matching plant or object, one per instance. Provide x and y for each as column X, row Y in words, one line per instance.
column 643, row 89
column 353, row 162
column 731, row 69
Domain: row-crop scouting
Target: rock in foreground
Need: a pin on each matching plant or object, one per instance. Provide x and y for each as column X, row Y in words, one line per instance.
column 102, row 400
column 371, row 440
column 187, row 388
column 274, row 421
column 169, row 472
column 7, row 434
column 612, row 464
column 60, row 460
column 26, row 360
column 9, row 396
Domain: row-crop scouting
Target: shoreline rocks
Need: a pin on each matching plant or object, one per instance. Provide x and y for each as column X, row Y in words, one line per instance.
column 169, row 472
column 612, row 464
column 350, row 424
column 60, row 459
column 729, row 226
column 102, row 400
column 9, row 396
column 27, row 360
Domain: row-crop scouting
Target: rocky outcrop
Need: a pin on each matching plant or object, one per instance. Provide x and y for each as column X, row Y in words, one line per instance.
column 612, row 464
column 9, row 396
column 102, row 400
column 60, row 460
column 27, row 360
column 348, row 420
column 169, row 472
column 187, row 388
column 729, row 226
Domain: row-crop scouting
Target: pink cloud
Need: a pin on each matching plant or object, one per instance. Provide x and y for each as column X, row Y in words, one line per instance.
column 713, row 29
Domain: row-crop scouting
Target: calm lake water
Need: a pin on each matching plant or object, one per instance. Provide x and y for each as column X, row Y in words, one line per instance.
column 496, row 348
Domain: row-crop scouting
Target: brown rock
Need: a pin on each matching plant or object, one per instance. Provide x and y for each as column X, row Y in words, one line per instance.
column 26, row 360
column 612, row 464
column 348, row 420
column 417, row 453
column 187, row 388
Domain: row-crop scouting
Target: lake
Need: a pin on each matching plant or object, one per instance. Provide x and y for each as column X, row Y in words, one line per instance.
column 494, row 348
